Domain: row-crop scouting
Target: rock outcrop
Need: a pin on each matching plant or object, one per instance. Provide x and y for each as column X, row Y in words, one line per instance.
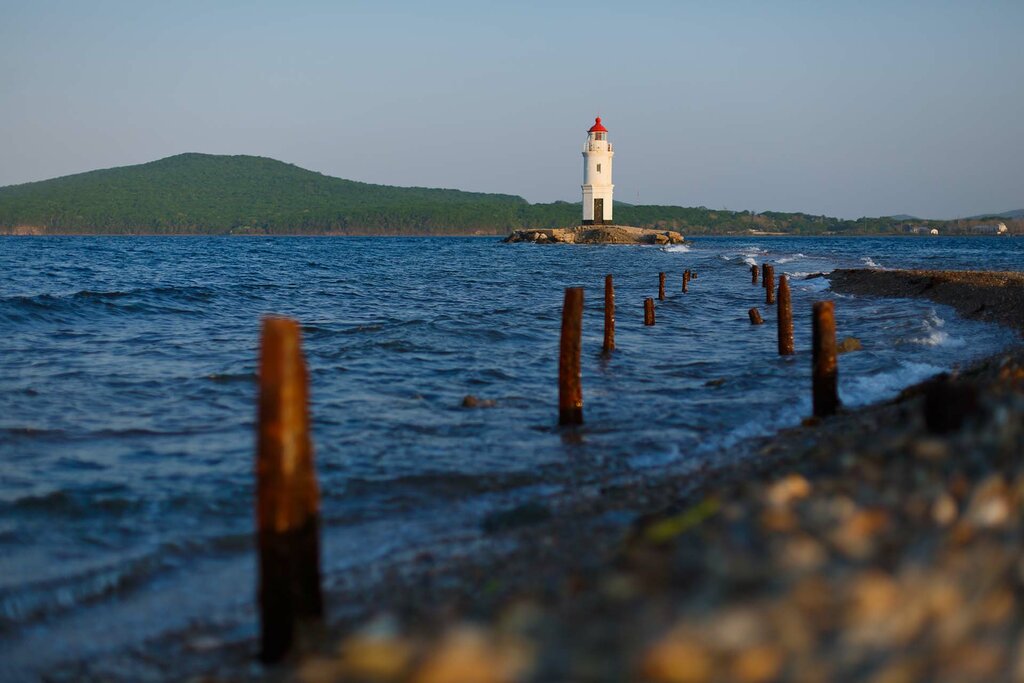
column 597, row 234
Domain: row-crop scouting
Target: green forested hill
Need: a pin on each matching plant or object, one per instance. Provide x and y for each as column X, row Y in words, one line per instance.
column 210, row 194
column 202, row 193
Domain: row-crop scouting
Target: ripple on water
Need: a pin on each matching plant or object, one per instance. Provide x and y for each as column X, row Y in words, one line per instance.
column 129, row 396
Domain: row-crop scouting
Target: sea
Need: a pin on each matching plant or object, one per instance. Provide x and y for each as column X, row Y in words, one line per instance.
column 128, row 399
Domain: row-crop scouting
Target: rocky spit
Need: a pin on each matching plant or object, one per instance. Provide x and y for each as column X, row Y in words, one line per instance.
column 597, row 234
column 991, row 295
column 884, row 544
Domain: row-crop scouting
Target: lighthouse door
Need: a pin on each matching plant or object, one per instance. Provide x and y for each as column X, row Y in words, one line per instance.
column 598, row 211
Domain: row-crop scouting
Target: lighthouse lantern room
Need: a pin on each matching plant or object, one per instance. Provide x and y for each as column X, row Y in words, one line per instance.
column 597, row 176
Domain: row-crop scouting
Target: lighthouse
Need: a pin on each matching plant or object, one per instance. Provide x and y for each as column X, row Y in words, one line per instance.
column 597, row 176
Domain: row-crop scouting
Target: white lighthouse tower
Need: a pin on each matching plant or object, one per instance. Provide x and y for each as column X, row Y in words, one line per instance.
column 597, row 176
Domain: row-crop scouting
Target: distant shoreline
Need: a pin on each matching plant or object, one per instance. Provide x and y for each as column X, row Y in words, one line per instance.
column 34, row 232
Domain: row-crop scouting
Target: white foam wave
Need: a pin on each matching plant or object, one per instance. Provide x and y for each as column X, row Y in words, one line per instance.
column 869, row 262
column 866, row 389
column 788, row 259
column 934, row 335
column 681, row 248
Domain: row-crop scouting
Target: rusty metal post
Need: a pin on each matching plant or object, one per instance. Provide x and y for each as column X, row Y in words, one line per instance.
column 648, row 311
column 753, row 275
column 823, row 359
column 755, row 317
column 785, row 318
column 609, row 315
column 287, row 496
column 570, row 392
column 661, row 286
column 769, row 287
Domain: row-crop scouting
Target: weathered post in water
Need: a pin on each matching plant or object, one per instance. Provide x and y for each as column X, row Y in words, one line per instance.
column 686, row 281
column 755, row 316
column 785, row 318
column 648, row 311
column 823, row 359
column 769, row 287
column 753, row 275
column 661, row 286
column 287, row 497
column 609, row 315
column 570, row 391
column 764, row 274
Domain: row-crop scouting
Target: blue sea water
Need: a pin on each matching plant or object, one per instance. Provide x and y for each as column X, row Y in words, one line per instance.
column 127, row 402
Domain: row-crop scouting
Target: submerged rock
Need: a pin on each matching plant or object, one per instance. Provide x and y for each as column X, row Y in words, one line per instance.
column 849, row 344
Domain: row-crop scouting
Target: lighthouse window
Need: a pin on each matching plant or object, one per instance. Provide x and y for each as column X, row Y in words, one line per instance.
column 599, row 168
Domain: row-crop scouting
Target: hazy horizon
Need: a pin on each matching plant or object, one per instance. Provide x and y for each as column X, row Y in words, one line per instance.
column 874, row 109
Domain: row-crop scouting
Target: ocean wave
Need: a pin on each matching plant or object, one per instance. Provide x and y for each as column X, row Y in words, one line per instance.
column 788, row 259
column 160, row 299
column 864, row 389
column 61, row 502
column 870, row 262
column 32, row 602
column 677, row 248
column 933, row 333
column 442, row 484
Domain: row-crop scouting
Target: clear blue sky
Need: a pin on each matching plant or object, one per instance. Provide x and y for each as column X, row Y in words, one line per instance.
column 849, row 109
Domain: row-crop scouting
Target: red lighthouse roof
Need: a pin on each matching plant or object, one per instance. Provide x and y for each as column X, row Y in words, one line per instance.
column 597, row 127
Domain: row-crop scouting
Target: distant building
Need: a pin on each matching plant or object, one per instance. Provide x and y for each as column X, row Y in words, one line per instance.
column 990, row 229
column 597, row 176
column 915, row 229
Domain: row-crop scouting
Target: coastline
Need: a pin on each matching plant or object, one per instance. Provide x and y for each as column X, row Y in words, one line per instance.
column 811, row 540
column 992, row 296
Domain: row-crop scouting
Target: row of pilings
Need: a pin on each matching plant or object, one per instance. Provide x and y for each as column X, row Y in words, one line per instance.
column 287, row 495
column 823, row 351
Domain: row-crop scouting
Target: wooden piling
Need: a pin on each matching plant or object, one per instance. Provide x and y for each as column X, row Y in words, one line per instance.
column 661, row 286
column 570, row 392
column 287, row 497
column 755, row 317
column 609, row 315
column 753, row 275
column 823, row 359
column 785, row 318
column 648, row 311
column 769, row 287
column 686, row 281
column 764, row 274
